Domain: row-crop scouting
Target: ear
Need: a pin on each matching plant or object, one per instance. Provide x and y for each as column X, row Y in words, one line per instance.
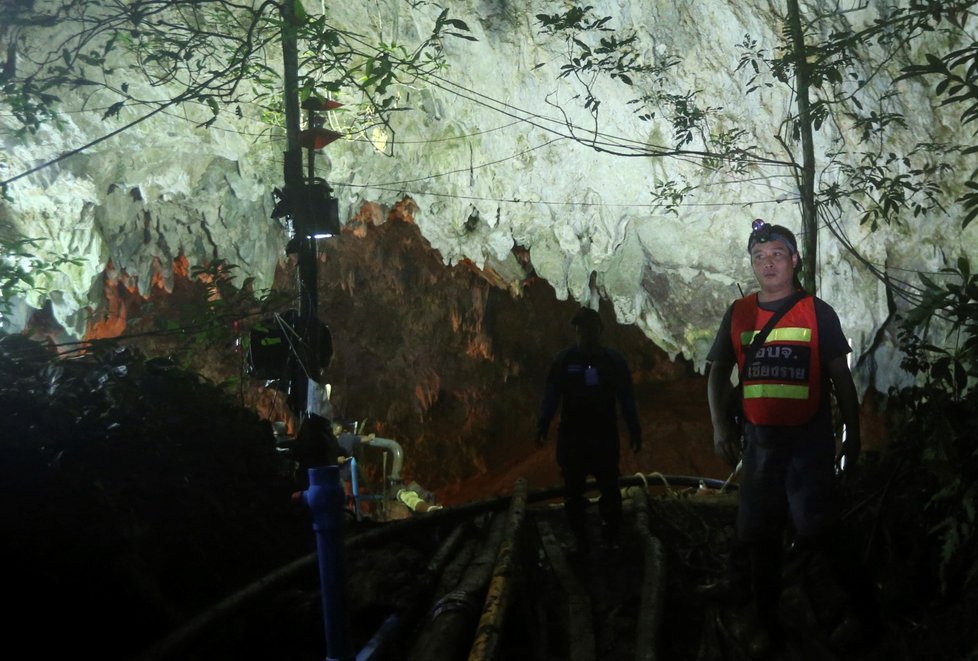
column 794, row 260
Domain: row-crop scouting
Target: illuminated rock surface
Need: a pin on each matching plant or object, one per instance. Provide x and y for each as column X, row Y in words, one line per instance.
column 485, row 183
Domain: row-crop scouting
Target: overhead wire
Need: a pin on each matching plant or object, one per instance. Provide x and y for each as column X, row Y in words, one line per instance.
column 902, row 288
column 281, row 138
column 467, row 169
column 449, row 86
column 558, row 203
column 519, row 115
column 537, row 120
column 609, row 143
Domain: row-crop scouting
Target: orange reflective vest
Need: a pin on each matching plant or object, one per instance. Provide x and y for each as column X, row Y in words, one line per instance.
column 781, row 386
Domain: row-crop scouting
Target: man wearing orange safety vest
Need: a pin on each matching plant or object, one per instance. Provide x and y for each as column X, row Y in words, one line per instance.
column 789, row 450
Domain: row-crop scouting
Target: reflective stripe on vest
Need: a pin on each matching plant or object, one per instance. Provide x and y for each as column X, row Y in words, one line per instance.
column 779, row 334
column 775, row 390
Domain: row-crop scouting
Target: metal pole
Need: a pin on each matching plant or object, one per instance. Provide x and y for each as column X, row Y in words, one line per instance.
column 290, row 61
column 325, row 495
column 296, row 192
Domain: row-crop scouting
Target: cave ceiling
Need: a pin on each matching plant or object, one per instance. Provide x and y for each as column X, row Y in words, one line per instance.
column 504, row 166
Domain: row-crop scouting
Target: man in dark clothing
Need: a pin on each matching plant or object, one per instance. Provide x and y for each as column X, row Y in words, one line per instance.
column 589, row 382
column 789, row 456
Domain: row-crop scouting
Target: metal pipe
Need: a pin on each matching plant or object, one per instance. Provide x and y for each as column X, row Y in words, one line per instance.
column 395, row 449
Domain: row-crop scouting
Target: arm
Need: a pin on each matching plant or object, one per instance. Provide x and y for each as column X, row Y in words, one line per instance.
column 548, row 408
column 726, row 436
column 848, row 399
column 626, row 397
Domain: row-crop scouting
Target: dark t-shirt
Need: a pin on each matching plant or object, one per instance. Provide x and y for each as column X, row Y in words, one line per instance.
column 832, row 343
column 589, row 388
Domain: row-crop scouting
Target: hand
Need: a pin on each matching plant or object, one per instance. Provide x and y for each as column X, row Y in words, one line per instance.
column 726, row 442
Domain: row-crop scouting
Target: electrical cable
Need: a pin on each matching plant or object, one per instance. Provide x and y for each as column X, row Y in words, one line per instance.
column 610, row 140
column 902, row 288
column 564, row 203
column 289, row 332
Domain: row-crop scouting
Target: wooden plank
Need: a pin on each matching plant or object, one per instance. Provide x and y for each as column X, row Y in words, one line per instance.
column 580, row 628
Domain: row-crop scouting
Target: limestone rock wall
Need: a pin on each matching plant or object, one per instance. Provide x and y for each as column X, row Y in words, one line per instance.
column 486, row 155
column 452, row 366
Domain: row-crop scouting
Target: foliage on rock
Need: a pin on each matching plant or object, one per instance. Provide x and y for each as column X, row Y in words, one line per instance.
column 212, row 54
column 22, row 269
column 938, row 418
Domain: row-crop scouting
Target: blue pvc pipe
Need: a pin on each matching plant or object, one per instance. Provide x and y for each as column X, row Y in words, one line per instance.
column 377, row 647
column 355, row 487
column 326, row 498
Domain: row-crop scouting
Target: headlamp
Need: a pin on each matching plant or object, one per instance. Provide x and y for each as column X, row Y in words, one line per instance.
column 762, row 232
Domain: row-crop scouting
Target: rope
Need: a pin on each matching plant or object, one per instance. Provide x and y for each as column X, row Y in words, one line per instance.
column 288, row 331
column 664, row 482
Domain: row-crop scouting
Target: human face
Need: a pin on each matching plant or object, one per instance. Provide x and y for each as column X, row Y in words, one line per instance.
column 774, row 268
column 588, row 336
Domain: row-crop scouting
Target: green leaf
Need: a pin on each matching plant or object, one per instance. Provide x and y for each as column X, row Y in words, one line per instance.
column 969, row 217
column 456, row 23
column 964, row 267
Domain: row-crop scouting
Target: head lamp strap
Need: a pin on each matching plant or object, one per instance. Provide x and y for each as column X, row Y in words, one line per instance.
column 762, row 232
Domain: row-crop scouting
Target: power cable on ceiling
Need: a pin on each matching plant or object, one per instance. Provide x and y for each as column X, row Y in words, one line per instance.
column 397, row 187
column 281, row 138
column 468, row 169
column 612, row 140
column 563, row 203
column 448, row 86
column 616, row 142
